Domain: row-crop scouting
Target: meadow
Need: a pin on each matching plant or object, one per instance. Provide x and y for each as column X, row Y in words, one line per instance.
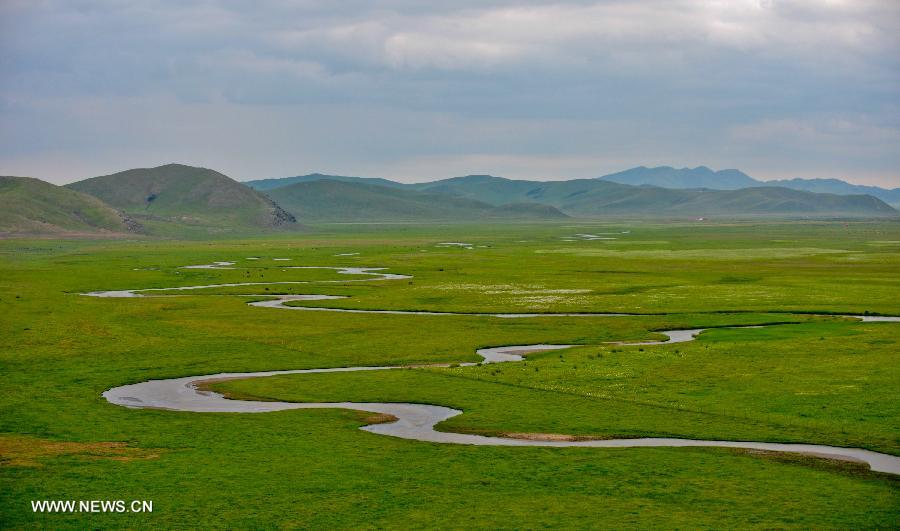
column 813, row 376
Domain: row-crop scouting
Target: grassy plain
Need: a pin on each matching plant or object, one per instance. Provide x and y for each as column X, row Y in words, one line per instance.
column 814, row 379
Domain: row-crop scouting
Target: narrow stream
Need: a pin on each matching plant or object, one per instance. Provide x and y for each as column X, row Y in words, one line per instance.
column 417, row 421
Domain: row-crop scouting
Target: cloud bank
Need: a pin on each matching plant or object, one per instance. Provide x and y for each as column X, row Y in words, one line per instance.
column 415, row 91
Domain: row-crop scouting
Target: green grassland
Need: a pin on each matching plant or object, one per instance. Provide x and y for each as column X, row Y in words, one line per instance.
column 812, row 378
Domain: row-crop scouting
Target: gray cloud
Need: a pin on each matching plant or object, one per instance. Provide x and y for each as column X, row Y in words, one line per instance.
column 416, row 91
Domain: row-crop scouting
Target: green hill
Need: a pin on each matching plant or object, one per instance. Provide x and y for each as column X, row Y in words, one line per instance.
column 329, row 200
column 31, row 206
column 173, row 197
column 778, row 200
column 487, row 188
column 269, row 184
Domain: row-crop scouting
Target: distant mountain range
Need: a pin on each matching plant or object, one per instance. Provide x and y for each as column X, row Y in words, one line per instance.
column 185, row 201
column 604, row 197
column 703, row 177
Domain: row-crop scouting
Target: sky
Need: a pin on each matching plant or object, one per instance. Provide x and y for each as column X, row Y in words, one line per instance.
column 418, row 91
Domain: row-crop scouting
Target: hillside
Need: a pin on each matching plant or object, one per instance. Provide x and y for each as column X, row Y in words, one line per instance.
column 487, row 188
column 269, row 184
column 669, row 177
column 703, row 177
column 761, row 201
column 599, row 197
column 177, row 196
column 32, row 206
column 837, row 186
column 328, row 200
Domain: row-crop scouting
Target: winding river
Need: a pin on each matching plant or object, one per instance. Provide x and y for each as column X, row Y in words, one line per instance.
column 417, row 421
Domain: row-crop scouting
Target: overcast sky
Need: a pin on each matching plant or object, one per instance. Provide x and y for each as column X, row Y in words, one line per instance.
column 417, row 91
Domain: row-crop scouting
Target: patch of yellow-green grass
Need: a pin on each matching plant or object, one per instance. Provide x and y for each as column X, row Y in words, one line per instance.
column 20, row 450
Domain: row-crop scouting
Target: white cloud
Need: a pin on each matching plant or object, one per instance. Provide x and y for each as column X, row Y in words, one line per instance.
column 578, row 33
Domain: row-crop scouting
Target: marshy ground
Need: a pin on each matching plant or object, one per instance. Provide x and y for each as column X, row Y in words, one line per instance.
column 812, row 378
